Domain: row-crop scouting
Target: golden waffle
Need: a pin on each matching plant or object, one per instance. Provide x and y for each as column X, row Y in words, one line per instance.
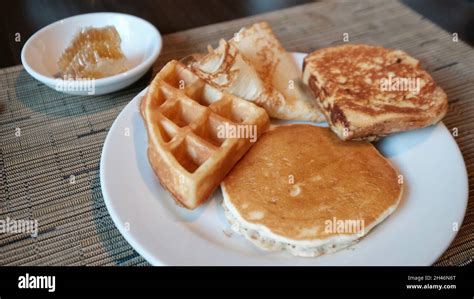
column 184, row 117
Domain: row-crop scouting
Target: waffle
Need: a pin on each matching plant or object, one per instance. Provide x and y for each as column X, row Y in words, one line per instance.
column 184, row 117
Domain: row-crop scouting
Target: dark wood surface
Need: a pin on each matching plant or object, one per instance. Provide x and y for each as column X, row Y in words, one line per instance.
column 27, row 16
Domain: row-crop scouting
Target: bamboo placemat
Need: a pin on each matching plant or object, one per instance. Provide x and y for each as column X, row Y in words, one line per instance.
column 51, row 142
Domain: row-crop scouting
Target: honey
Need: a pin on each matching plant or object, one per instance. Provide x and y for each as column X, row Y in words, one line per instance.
column 93, row 53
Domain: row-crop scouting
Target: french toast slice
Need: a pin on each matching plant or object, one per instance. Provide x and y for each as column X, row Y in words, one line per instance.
column 367, row 92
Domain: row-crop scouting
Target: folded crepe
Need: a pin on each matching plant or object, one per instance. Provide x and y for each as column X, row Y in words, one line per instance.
column 254, row 66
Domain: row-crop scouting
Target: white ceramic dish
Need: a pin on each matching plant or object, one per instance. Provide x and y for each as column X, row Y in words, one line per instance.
column 141, row 44
column 418, row 232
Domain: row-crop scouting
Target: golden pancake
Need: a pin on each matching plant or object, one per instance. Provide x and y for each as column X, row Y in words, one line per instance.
column 298, row 182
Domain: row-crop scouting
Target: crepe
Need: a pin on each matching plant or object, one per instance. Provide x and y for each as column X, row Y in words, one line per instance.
column 254, row 65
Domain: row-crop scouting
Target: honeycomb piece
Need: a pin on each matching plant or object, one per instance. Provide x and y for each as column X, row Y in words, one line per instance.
column 93, row 53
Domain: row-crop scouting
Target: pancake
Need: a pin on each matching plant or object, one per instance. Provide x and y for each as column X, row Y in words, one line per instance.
column 299, row 183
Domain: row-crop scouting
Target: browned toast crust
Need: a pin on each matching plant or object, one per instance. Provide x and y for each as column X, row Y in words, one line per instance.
column 357, row 90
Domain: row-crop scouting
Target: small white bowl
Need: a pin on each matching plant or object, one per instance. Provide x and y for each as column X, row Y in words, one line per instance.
column 141, row 44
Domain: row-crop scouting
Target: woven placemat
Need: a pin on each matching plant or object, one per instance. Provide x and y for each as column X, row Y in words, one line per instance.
column 51, row 142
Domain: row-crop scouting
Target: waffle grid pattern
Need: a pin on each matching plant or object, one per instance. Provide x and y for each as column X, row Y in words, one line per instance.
column 186, row 119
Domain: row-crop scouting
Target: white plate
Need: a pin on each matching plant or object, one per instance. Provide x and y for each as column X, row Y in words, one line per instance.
column 141, row 44
column 418, row 232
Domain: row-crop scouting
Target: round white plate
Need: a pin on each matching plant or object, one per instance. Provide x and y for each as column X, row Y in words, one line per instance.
column 417, row 233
